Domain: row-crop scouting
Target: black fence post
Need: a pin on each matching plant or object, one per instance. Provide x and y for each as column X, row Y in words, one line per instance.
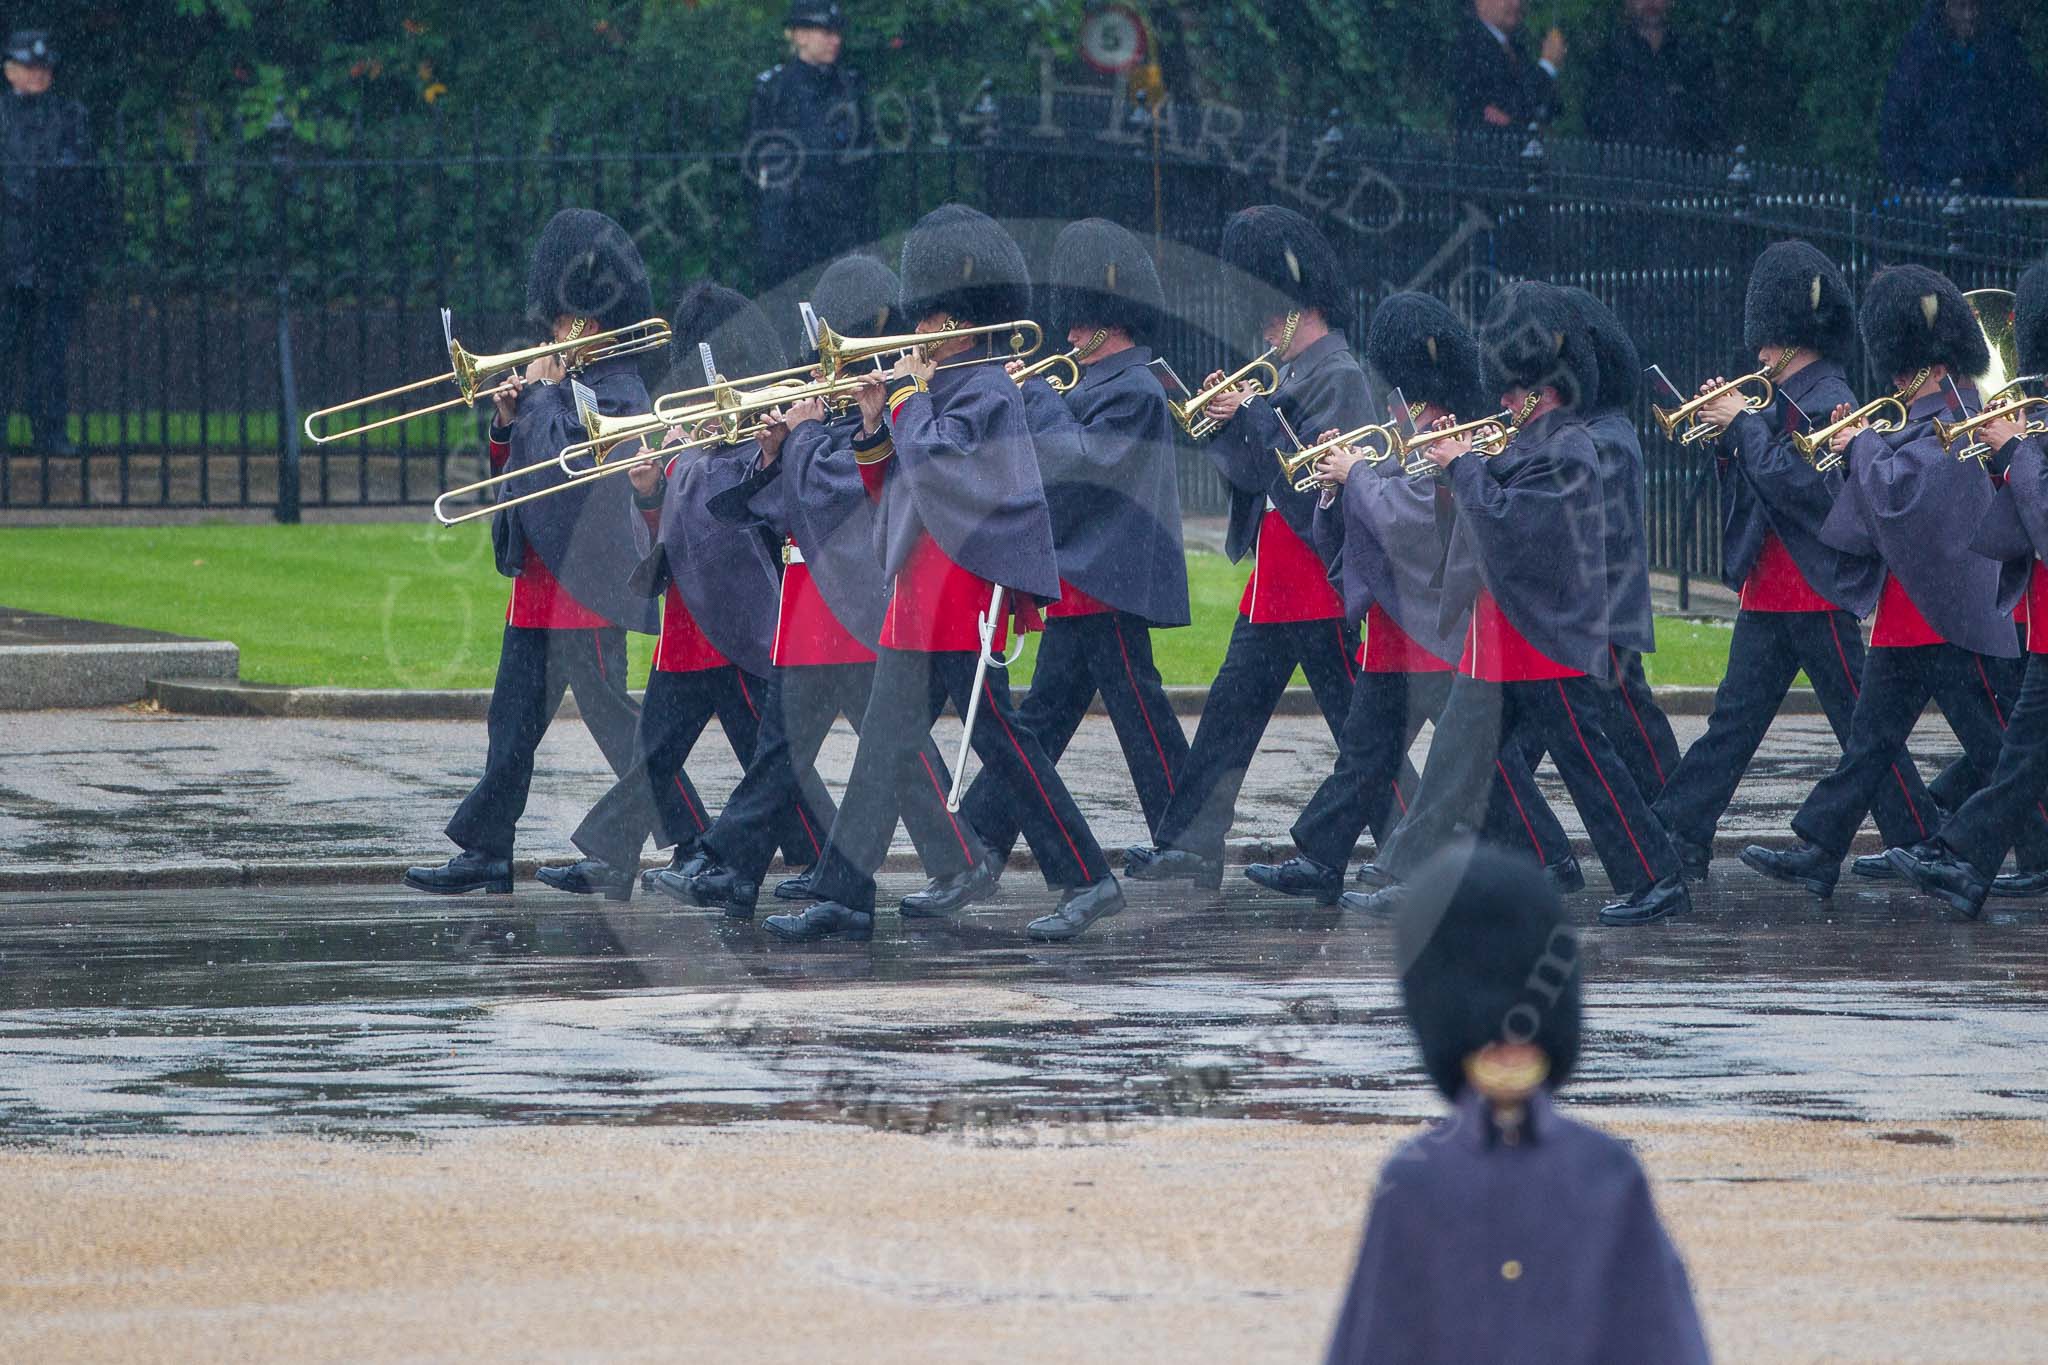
column 280, row 130
column 1955, row 217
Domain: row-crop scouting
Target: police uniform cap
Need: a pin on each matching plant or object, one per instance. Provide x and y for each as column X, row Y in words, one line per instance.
column 31, row 47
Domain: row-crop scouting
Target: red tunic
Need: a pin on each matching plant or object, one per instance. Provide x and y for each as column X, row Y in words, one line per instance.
column 1899, row 624
column 1390, row 649
column 1288, row 582
column 807, row 634
column 937, row 605
column 1074, row 602
column 2036, row 605
column 1776, row 584
column 684, row 648
column 540, row 602
column 1496, row 652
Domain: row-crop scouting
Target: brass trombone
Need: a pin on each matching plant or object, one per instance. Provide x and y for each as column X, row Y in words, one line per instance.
column 1814, row 445
column 1300, row 464
column 1415, row 464
column 1260, row 372
column 1668, row 419
column 1061, row 371
column 836, row 352
column 466, row 372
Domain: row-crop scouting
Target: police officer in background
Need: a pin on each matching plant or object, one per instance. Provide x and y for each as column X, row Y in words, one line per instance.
column 810, row 136
column 47, row 185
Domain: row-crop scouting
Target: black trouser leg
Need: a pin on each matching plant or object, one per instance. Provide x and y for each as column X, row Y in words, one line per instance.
column 1762, row 663
column 768, row 807
column 1953, row 785
column 1457, row 777
column 1895, row 689
column 1362, row 790
column 655, row 794
column 1637, row 726
column 594, row 665
column 944, row 841
column 1829, row 647
column 798, row 827
column 1518, row 810
column 1977, row 694
column 1062, row 686
column 49, row 402
column 1632, row 843
column 1995, row 818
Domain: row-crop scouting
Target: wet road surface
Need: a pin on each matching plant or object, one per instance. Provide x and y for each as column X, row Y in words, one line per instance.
column 372, row 1012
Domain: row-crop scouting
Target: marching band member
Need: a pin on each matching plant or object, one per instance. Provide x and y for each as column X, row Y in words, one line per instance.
column 1527, row 559
column 1800, row 597
column 1290, row 615
column 1106, row 452
column 717, row 585
column 809, row 493
column 569, row 556
column 961, row 512
column 1380, row 531
column 1942, row 620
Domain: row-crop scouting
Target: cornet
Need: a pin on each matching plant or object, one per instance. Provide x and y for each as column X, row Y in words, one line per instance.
column 1415, row 463
column 1668, row 419
column 1814, row 445
column 1300, row 464
column 1260, row 373
column 2008, row 402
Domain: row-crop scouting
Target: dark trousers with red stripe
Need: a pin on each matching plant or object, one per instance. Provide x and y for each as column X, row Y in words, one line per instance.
column 1255, row 672
column 1766, row 653
column 1640, row 730
column 535, row 668
column 1995, row 818
column 655, row 796
column 1463, row 783
column 1975, row 695
column 1079, row 656
column 802, row 705
column 910, row 691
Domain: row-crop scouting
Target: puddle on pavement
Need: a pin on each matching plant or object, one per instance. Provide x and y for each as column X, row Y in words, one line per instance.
column 376, row 1014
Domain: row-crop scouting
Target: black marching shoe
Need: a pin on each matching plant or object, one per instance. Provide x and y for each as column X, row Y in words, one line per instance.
column 1372, row 874
column 1692, row 858
column 823, row 919
column 2019, row 886
column 1082, row 906
column 673, row 881
column 1941, row 874
column 589, row 877
column 719, row 886
column 678, row 861
column 797, row 888
column 1816, row 869
column 1145, row 863
column 1876, row 866
column 1300, row 876
column 466, row 871
column 1656, row 901
column 943, row 896
column 1565, row 875
column 1385, row 902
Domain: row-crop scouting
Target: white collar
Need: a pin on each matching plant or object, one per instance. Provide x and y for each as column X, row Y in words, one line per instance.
column 1498, row 36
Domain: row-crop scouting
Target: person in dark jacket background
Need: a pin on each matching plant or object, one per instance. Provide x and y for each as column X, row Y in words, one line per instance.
column 1494, row 82
column 1963, row 103
column 1507, row 1232
column 1649, row 87
column 810, row 135
column 48, row 190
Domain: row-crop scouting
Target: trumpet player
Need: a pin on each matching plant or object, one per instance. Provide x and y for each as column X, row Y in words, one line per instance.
column 965, row 536
column 717, row 588
column 569, row 556
column 807, row 492
column 1526, row 563
column 1800, row 598
column 1943, row 622
column 1106, row 451
column 1959, row 865
column 1290, row 615
column 1379, row 529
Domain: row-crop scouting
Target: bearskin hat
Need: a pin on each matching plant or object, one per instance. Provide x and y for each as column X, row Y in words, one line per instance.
column 960, row 261
column 1287, row 253
column 1614, row 351
column 1913, row 316
column 1798, row 298
column 586, row 265
column 1532, row 337
column 1417, row 345
column 2030, row 319
column 1487, row 956
column 743, row 341
column 856, row 297
column 1102, row 276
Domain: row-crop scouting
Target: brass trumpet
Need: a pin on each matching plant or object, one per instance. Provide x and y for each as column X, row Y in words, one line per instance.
column 1300, row 464
column 1414, row 463
column 1668, row 419
column 1261, row 373
column 1814, row 444
column 1948, row 433
column 466, row 371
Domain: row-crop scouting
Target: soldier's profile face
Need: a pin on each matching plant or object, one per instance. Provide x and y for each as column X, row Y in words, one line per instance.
column 816, row 46
column 28, row 80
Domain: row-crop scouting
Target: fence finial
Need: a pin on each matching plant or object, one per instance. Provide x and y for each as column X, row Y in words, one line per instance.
column 1741, row 182
column 1955, row 215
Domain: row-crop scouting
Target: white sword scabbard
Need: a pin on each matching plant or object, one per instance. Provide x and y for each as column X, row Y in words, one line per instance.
column 989, row 619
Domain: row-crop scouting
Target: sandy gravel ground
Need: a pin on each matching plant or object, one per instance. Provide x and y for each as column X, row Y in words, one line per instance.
column 1191, row 1240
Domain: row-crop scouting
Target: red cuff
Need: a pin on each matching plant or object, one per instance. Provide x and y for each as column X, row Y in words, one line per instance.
column 500, row 451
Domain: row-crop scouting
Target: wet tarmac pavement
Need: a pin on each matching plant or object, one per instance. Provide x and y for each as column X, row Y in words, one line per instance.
column 376, row 1012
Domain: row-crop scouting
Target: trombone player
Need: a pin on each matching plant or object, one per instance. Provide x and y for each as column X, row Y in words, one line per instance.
column 1944, row 627
column 569, row 557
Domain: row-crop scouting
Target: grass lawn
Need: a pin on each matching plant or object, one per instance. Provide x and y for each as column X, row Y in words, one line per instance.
column 396, row 605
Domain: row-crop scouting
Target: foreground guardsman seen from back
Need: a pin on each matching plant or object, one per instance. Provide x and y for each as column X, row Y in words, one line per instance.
column 1508, row 1232
column 569, row 556
column 1801, row 598
column 1944, row 629
column 1106, row 452
column 1290, row 615
column 947, row 454
column 1527, row 560
column 1960, row 864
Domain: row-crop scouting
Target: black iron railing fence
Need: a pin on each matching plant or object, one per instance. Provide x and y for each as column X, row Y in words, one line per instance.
column 227, row 263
